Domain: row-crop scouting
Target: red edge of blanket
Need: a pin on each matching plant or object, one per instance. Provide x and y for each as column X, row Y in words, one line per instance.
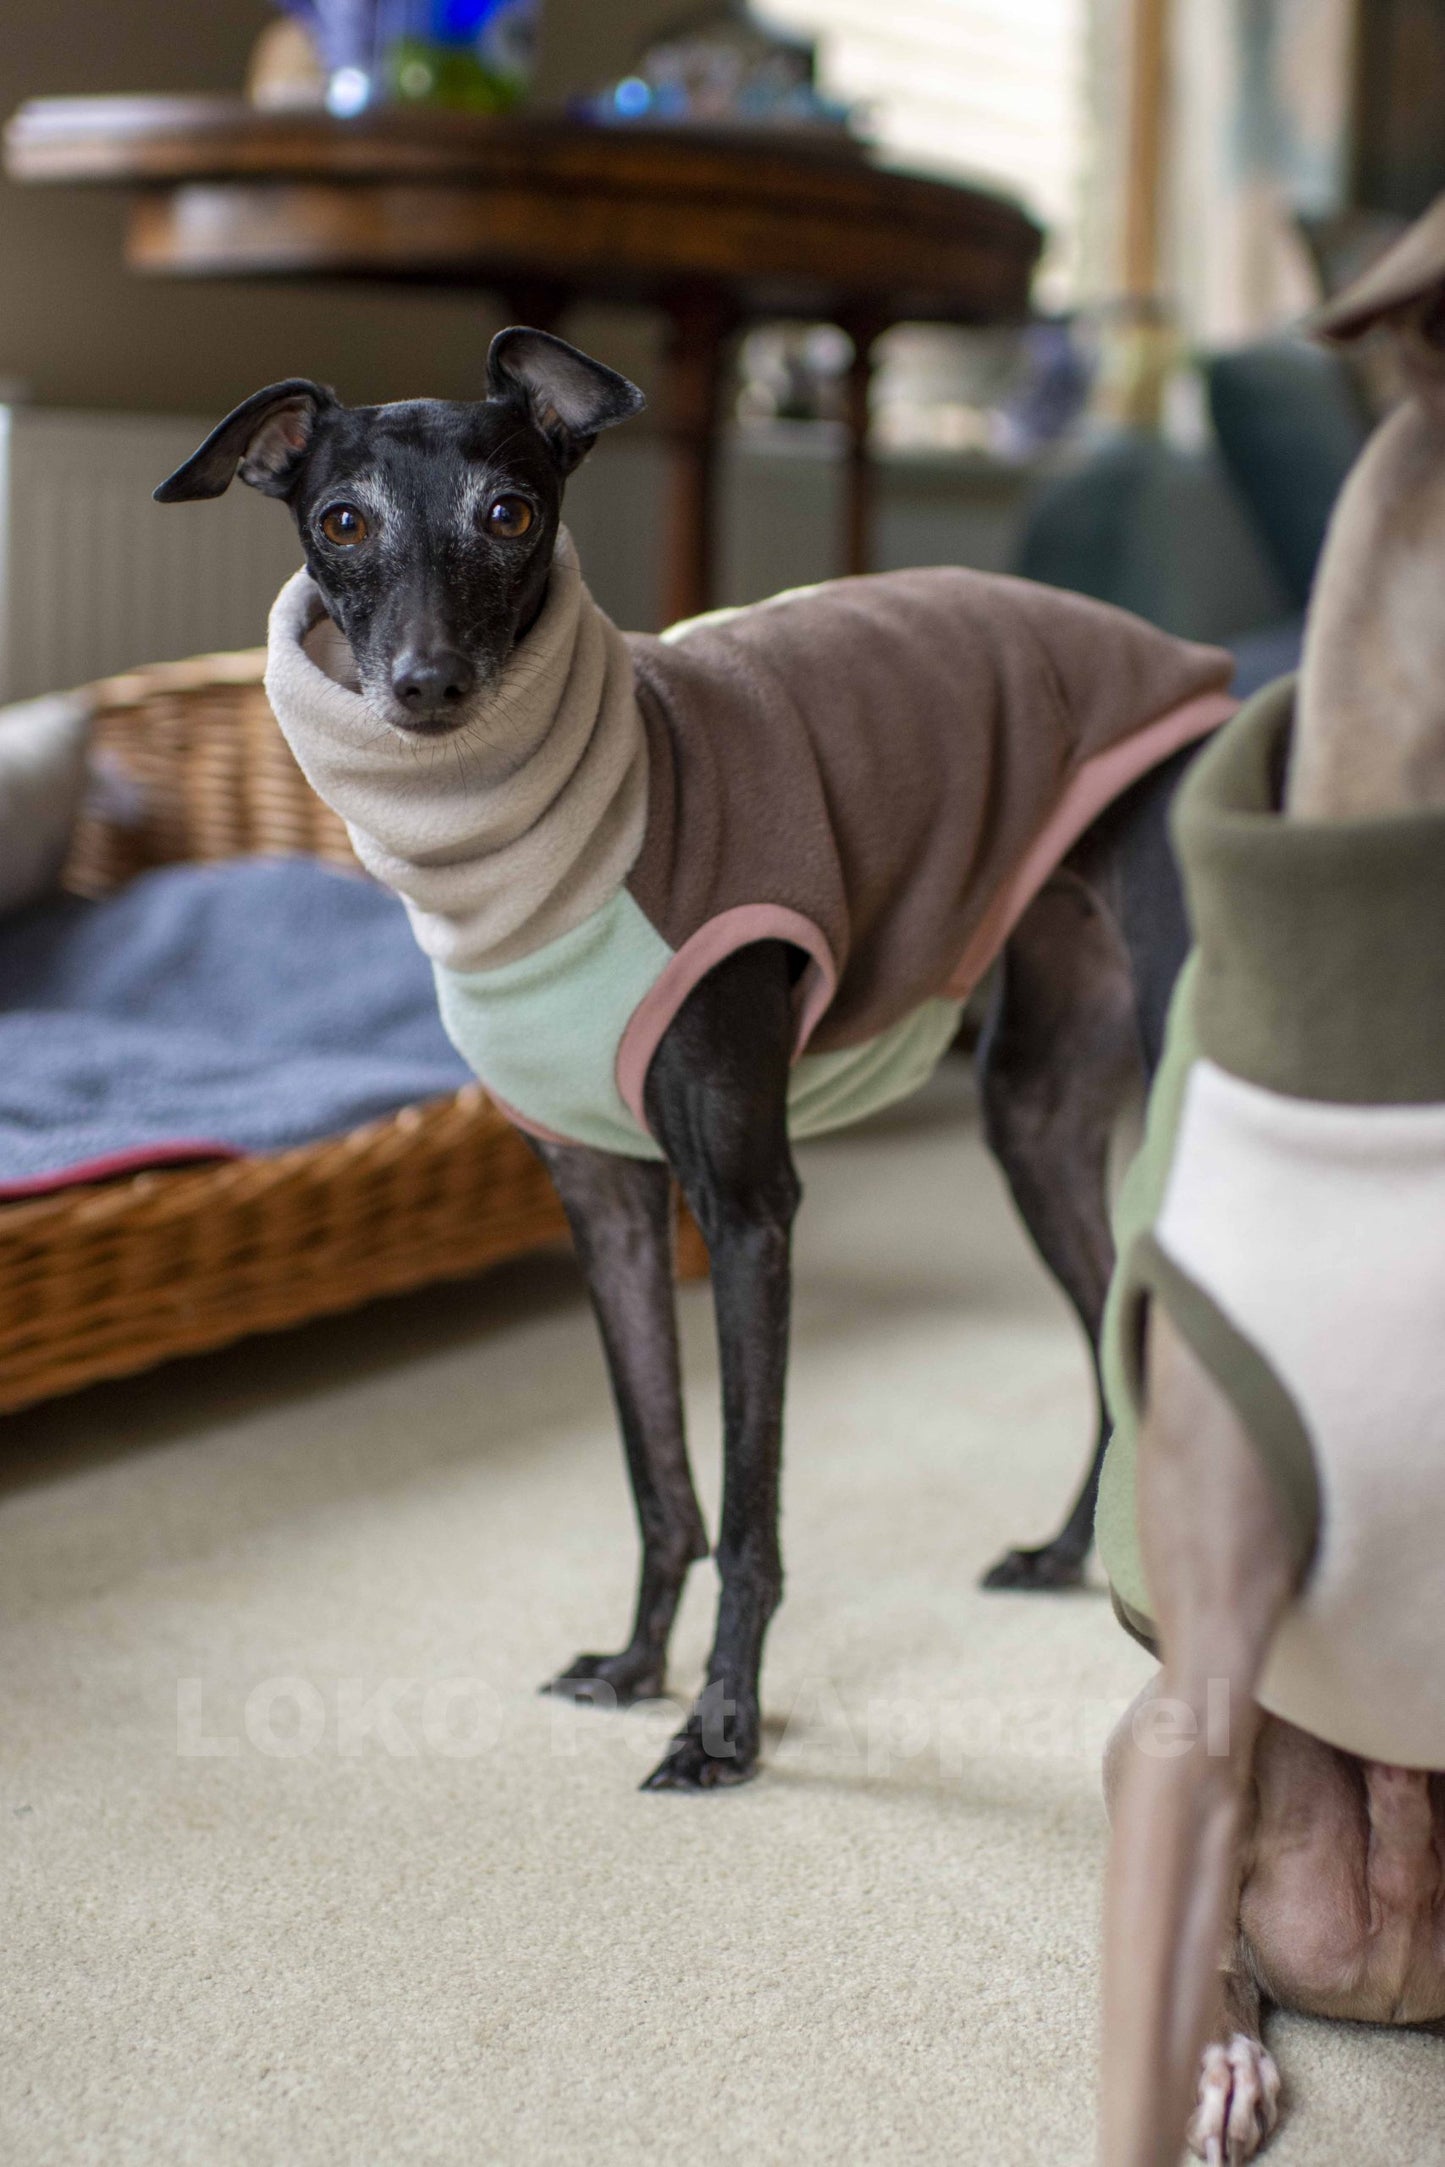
column 136, row 1161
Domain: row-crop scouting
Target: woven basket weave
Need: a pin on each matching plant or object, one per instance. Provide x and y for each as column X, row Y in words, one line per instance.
column 111, row 1277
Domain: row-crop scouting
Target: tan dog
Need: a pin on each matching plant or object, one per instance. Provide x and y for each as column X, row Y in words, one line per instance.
column 1252, row 1862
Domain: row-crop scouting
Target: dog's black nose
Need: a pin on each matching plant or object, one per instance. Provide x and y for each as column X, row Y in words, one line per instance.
column 428, row 684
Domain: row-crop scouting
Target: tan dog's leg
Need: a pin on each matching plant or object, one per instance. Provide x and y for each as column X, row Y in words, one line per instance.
column 1219, row 1561
column 1237, row 2099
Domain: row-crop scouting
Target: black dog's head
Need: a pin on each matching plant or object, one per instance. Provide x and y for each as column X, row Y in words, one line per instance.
column 427, row 526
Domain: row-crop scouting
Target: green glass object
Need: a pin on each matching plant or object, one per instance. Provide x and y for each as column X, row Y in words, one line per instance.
column 422, row 71
column 476, row 56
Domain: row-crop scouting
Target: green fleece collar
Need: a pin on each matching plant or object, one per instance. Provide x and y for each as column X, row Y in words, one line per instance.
column 1321, row 944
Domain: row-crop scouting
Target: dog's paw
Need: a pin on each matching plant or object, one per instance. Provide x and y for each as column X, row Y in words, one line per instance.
column 1056, row 1565
column 716, row 1748
column 688, row 1766
column 1238, row 2102
column 608, row 1681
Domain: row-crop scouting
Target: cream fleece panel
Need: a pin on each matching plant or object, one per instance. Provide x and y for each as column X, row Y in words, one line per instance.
column 1317, row 1230
column 514, row 830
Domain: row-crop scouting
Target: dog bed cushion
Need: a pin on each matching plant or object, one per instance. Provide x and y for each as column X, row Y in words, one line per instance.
column 209, row 1011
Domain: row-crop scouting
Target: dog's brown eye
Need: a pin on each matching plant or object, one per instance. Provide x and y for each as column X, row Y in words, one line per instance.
column 509, row 518
column 344, row 526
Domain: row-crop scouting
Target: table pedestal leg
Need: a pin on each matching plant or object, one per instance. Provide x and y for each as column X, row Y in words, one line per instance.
column 858, row 495
column 700, row 324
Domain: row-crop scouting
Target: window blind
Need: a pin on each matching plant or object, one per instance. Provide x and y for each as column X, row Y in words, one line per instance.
column 994, row 91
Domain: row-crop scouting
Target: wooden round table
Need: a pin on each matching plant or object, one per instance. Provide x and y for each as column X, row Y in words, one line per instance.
column 716, row 229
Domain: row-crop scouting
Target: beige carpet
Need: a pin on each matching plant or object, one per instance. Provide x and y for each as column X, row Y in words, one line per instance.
column 450, row 1930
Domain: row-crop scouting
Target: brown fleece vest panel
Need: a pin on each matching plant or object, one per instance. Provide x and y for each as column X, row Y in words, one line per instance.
column 878, row 755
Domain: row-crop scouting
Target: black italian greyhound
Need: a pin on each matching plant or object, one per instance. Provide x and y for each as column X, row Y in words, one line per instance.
column 431, row 614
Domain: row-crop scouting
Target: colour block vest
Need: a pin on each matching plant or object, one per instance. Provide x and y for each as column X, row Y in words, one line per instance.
column 1288, row 1209
column 881, row 772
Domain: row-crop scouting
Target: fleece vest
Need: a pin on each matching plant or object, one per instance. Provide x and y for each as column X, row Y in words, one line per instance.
column 1288, row 1210
column 879, row 772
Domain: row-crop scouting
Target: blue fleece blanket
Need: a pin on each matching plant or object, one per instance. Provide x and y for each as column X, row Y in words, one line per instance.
column 215, row 1010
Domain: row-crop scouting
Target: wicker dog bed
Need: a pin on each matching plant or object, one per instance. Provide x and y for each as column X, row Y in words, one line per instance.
column 110, row 1277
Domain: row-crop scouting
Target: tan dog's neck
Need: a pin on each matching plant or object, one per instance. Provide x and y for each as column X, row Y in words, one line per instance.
column 1370, row 731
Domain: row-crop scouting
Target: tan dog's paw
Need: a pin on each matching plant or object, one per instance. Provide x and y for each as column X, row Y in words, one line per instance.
column 1238, row 2102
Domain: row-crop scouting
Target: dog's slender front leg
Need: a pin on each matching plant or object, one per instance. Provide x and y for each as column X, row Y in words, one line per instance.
column 1237, row 2083
column 1216, row 1551
column 717, row 1102
column 620, row 1212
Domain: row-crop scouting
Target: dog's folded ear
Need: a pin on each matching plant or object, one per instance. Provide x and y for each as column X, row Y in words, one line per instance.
column 1402, row 289
column 264, row 441
column 568, row 395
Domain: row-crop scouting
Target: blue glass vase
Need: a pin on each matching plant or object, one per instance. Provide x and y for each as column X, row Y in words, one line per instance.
column 348, row 36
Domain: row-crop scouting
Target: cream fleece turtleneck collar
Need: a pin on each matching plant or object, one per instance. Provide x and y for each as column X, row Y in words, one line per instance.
column 508, row 834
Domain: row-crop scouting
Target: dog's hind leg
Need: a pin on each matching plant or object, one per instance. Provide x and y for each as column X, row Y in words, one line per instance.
column 620, row 1212
column 1060, row 1053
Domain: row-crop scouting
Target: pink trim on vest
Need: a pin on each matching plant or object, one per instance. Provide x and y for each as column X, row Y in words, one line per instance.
column 1099, row 781
column 720, row 937
column 1096, row 785
column 522, row 1122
